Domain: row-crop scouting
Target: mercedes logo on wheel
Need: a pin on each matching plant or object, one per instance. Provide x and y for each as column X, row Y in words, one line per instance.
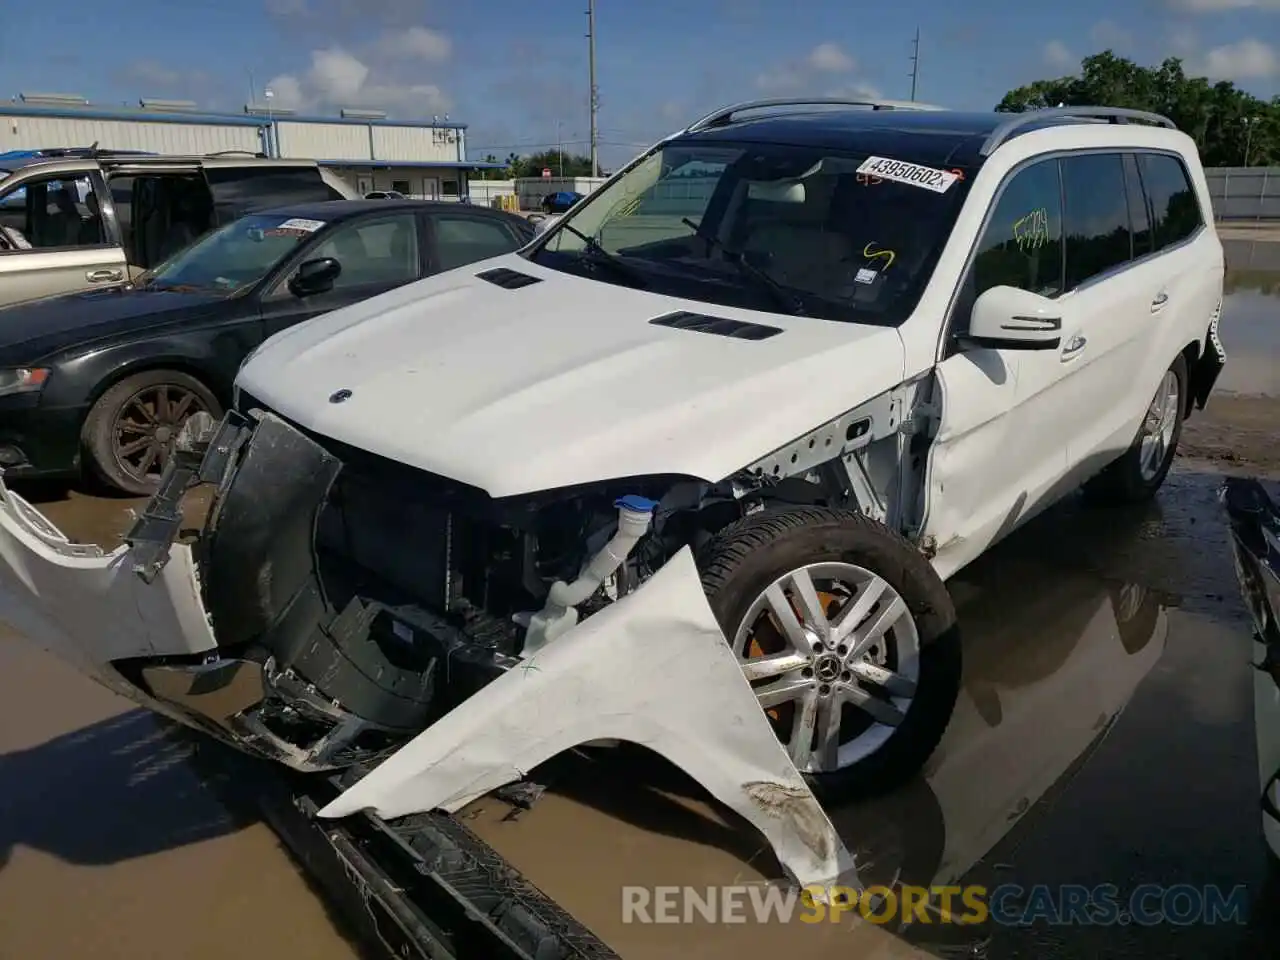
column 339, row 395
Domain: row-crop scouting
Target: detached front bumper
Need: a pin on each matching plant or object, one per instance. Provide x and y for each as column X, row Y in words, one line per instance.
column 236, row 635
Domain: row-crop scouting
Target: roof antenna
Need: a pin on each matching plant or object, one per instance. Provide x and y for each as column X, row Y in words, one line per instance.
column 93, row 150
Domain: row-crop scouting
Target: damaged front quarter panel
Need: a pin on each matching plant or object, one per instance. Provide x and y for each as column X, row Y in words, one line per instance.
column 239, row 635
column 652, row 669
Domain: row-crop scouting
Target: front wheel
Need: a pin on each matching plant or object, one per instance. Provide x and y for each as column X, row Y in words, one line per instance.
column 848, row 638
column 132, row 428
column 1140, row 471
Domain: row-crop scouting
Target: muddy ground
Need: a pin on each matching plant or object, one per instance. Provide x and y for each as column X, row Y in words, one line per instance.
column 1104, row 735
column 1241, row 434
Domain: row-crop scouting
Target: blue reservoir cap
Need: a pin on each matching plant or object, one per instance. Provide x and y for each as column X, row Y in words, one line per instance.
column 633, row 501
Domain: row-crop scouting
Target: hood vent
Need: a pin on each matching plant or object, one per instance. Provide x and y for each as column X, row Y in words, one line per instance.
column 508, row 279
column 719, row 326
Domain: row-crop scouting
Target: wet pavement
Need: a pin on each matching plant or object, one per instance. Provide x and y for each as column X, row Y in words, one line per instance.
column 1104, row 735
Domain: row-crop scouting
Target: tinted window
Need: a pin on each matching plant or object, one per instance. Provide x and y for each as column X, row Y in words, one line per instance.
column 1022, row 244
column 705, row 219
column 239, row 190
column 1175, row 210
column 1139, row 215
column 1096, row 215
column 382, row 250
column 463, row 240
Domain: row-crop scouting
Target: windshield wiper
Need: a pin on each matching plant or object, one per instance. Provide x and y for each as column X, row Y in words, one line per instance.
column 599, row 254
column 781, row 295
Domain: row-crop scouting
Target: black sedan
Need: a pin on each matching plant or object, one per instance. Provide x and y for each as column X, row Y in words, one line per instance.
column 110, row 376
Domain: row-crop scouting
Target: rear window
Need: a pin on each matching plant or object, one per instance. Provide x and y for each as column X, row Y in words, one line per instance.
column 240, row 190
column 1175, row 209
column 813, row 231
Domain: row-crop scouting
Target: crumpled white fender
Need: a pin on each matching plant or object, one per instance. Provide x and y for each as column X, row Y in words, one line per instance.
column 652, row 669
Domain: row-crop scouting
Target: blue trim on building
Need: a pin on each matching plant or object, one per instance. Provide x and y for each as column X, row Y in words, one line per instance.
column 425, row 164
column 14, row 109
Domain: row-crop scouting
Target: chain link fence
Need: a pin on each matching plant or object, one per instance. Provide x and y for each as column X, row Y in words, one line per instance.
column 1241, row 194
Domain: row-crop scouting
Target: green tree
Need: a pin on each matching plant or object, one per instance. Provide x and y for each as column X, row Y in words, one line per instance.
column 573, row 165
column 1223, row 120
column 493, row 173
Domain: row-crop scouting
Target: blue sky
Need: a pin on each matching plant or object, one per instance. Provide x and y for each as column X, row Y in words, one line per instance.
column 516, row 71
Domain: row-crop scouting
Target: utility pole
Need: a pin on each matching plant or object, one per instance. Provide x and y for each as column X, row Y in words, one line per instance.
column 560, row 149
column 915, row 63
column 595, row 94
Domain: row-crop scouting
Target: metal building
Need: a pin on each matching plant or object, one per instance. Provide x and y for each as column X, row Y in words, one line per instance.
column 364, row 147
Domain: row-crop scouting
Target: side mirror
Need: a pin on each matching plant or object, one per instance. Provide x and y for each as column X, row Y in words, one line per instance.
column 315, row 276
column 1015, row 319
column 543, row 225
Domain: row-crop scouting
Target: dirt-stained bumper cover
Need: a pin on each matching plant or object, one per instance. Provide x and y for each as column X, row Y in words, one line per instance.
column 87, row 606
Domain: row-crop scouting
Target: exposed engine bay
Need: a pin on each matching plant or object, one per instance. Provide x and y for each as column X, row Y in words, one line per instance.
column 368, row 598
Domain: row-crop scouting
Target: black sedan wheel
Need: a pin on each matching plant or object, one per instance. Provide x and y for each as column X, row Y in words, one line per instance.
column 132, row 428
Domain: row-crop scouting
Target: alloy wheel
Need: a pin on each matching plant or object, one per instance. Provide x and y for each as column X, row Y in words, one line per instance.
column 1159, row 426
column 147, row 426
column 833, row 656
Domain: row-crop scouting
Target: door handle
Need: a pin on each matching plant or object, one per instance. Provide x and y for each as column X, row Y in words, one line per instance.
column 104, row 276
column 1158, row 303
column 1074, row 347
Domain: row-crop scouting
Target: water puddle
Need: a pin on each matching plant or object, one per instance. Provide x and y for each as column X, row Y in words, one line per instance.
column 1251, row 331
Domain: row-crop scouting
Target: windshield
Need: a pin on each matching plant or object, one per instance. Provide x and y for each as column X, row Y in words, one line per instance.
column 233, row 257
column 768, row 227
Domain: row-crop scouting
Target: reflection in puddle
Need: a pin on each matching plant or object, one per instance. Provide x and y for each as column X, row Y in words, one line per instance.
column 1250, row 331
column 1050, row 661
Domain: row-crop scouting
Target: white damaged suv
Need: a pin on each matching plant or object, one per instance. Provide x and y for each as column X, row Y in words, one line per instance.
column 805, row 360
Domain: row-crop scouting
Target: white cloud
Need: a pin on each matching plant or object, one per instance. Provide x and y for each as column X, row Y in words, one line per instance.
column 1248, row 59
column 417, row 43
column 856, row 91
column 338, row 78
column 783, row 79
column 1108, row 35
column 1058, row 56
column 1183, row 41
column 1218, row 6
column 811, row 72
column 830, row 58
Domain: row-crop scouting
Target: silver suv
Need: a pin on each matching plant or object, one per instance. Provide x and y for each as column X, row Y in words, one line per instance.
column 76, row 219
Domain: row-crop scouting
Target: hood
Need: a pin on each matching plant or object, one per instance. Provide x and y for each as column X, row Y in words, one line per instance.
column 36, row 328
column 562, row 381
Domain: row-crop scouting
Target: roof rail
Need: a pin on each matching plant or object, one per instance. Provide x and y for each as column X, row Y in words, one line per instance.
column 79, row 153
column 725, row 115
column 1006, row 129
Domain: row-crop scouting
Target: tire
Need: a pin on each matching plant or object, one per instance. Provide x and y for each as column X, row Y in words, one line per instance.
column 747, row 557
column 1137, row 612
column 102, row 428
column 1124, row 480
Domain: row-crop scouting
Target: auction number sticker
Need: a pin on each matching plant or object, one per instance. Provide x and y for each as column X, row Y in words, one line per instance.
column 297, row 223
column 899, row 171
